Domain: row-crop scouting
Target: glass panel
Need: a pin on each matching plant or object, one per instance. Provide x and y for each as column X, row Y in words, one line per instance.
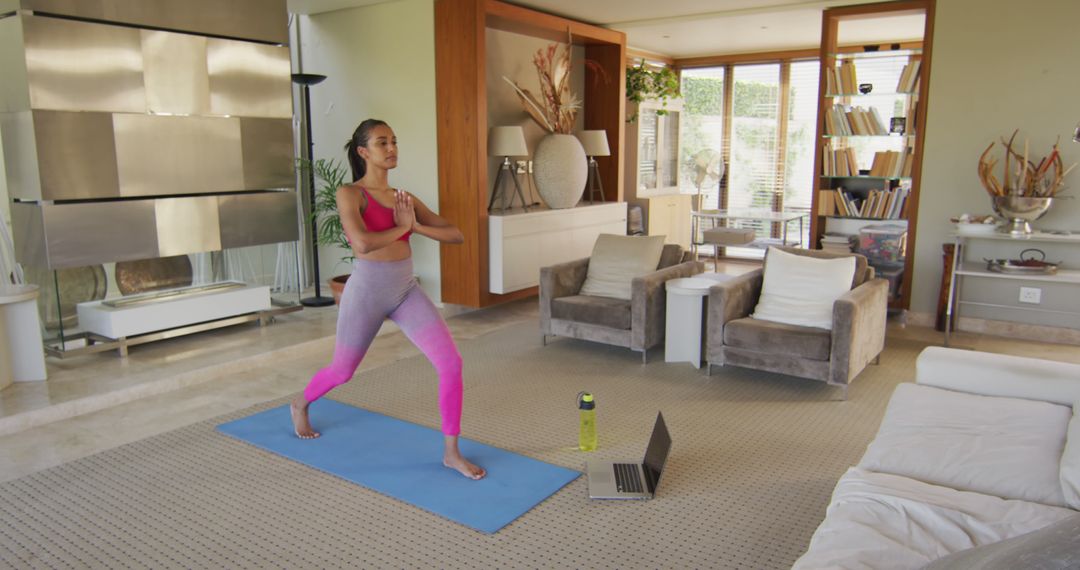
column 669, row 170
column 647, row 132
column 799, row 146
column 753, row 169
column 702, row 136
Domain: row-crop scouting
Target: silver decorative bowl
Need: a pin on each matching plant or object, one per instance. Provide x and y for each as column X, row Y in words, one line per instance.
column 1018, row 213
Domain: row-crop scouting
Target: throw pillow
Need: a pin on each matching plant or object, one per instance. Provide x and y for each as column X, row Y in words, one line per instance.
column 1070, row 461
column 616, row 260
column 801, row 290
column 1052, row 547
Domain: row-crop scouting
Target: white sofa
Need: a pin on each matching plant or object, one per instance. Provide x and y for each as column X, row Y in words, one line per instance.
column 975, row 452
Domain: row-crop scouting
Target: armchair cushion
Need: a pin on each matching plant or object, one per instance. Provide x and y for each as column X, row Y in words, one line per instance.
column 801, row 290
column 617, row 260
column 603, row 311
column 766, row 336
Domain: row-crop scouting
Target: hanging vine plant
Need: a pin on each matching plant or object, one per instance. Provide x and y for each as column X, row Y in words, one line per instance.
column 644, row 83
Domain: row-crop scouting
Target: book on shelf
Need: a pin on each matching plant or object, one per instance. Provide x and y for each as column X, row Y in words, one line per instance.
column 909, row 77
column 875, row 204
column 842, row 121
column 838, row 243
column 839, row 162
column 892, row 164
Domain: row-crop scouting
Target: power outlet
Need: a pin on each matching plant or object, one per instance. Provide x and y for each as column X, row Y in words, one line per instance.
column 1031, row 295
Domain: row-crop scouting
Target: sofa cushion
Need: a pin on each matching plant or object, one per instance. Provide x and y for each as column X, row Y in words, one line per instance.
column 617, row 260
column 801, row 290
column 1006, row 447
column 878, row 520
column 766, row 336
column 603, row 311
column 1056, row 546
column 1070, row 461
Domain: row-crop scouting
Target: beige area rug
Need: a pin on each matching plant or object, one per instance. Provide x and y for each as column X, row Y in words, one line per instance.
column 754, row 461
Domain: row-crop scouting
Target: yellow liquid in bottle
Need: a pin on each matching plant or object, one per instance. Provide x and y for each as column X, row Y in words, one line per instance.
column 587, row 432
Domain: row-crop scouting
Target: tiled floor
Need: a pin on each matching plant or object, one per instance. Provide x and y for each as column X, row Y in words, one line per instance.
column 96, row 402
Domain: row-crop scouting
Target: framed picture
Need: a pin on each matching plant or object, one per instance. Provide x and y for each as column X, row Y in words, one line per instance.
column 897, row 125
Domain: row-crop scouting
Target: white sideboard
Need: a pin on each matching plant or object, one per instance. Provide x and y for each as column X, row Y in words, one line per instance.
column 520, row 243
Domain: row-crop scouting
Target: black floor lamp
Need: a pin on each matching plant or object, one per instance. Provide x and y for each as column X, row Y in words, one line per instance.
column 307, row 80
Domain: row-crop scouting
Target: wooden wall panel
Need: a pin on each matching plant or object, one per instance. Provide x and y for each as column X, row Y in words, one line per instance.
column 605, row 108
column 461, row 114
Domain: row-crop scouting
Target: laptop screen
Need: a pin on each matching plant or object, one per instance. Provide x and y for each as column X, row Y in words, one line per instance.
column 656, row 453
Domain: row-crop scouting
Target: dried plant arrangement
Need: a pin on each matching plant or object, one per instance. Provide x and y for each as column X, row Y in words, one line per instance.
column 557, row 107
column 1023, row 177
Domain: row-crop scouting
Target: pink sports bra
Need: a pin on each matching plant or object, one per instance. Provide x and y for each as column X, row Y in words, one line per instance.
column 378, row 218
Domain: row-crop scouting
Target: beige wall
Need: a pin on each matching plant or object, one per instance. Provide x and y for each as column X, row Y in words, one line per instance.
column 997, row 65
column 380, row 63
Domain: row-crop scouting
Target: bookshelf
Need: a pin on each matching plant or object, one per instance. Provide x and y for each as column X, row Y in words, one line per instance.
column 871, row 119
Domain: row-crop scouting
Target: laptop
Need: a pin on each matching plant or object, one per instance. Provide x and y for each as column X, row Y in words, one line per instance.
column 632, row 480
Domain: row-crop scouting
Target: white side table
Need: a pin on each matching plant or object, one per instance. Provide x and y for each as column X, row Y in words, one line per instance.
column 683, row 326
column 22, row 356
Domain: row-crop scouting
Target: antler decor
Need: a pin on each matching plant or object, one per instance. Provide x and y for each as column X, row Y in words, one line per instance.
column 1025, row 178
column 557, row 106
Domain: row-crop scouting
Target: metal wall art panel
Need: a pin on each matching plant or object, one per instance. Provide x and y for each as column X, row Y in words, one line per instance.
column 20, row 155
column 186, row 225
column 99, row 232
column 79, row 66
column 28, row 233
column 249, row 80
column 268, row 153
column 14, row 95
column 162, row 155
column 258, row 218
column 76, row 155
column 260, row 20
column 175, row 75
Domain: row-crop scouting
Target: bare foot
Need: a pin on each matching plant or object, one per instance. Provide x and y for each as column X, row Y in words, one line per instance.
column 456, row 461
column 299, row 408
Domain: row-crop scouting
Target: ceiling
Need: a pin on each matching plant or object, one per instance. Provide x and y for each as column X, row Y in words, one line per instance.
column 690, row 28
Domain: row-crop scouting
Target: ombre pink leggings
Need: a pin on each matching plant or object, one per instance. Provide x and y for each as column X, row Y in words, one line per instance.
column 386, row 289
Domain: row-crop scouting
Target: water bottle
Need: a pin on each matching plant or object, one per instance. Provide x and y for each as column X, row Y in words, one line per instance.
column 587, row 429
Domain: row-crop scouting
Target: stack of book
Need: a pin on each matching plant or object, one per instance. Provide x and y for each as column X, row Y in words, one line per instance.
column 841, row 80
column 837, row 243
column 839, row 162
column 879, row 204
column 841, row 121
column 909, row 78
column 892, row 164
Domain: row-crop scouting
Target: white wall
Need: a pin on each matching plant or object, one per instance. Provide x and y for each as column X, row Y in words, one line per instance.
column 998, row 65
column 380, row 63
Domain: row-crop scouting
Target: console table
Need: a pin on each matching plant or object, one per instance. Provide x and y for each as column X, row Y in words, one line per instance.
column 708, row 219
column 520, row 243
column 964, row 268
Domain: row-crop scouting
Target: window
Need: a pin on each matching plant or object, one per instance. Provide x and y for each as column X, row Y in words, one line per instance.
column 769, row 154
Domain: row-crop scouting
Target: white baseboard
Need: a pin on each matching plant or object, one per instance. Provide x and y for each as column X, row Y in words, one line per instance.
column 1059, row 335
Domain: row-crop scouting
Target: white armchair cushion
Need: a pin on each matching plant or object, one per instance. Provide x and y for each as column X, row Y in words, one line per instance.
column 617, row 260
column 801, row 290
column 1006, row 447
column 1070, row 462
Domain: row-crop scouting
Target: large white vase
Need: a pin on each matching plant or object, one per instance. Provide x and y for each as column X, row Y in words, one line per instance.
column 560, row 170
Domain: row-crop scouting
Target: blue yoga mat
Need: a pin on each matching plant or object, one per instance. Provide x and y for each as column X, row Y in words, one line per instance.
column 404, row 460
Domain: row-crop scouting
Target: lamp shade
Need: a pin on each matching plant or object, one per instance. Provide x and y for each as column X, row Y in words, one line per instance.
column 595, row 143
column 507, row 141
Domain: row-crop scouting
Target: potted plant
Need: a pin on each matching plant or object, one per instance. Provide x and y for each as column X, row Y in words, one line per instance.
column 329, row 175
column 643, row 83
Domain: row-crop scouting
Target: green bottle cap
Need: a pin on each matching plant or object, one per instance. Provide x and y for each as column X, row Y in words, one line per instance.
column 585, row 401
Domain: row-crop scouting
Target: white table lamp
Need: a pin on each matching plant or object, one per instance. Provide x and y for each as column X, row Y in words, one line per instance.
column 595, row 144
column 506, row 142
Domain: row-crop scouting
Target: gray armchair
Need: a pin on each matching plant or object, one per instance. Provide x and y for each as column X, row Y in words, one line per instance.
column 637, row 324
column 834, row 356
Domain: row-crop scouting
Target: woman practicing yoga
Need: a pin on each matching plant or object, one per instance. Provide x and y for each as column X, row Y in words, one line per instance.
column 378, row 221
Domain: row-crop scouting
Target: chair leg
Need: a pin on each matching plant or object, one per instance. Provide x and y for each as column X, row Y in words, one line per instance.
column 843, row 393
column 543, row 339
column 877, row 360
column 645, row 356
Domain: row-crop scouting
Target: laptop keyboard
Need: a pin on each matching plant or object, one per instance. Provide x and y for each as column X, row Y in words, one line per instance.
column 628, row 478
